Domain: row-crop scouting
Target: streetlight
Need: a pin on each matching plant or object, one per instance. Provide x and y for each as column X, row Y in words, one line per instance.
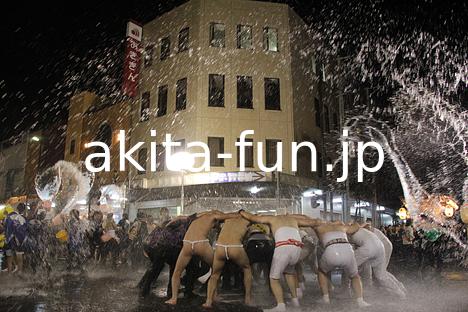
column 35, row 138
column 181, row 161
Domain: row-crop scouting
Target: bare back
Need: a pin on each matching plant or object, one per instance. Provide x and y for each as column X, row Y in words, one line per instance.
column 200, row 227
column 233, row 231
column 334, row 227
column 277, row 222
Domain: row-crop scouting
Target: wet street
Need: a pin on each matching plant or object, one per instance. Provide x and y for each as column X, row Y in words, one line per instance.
column 107, row 290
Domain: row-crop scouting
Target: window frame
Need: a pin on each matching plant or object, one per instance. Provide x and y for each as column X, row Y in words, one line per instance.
column 140, row 156
column 159, row 112
column 183, row 43
column 249, row 96
column 239, row 36
column 247, row 148
column 72, row 148
column 165, row 50
column 266, row 39
column 274, row 143
column 145, row 111
column 212, row 40
column 269, row 106
column 212, row 98
column 215, row 161
column 181, row 106
column 148, row 56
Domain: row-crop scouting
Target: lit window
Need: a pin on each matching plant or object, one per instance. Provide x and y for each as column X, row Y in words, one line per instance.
column 217, row 35
column 244, row 37
column 270, row 39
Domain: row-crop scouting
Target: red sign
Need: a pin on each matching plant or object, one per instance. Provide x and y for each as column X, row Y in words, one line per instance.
column 132, row 59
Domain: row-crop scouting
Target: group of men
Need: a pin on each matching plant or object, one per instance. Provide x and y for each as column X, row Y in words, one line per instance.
column 372, row 253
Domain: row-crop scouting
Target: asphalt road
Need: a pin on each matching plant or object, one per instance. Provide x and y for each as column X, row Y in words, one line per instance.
column 114, row 290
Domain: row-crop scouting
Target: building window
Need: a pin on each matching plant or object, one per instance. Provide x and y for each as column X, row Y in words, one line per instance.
column 165, row 48
column 216, row 146
column 272, row 94
column 162, row 101
column 148, row 57
column 244, row 37
column 72, row 147
column 327, row 119
column 217, row 35
column 183, row 40
column 145, row 106
column 271, row 152
column 160, row 158
column 249, row 155
column 270, row 39
column 142, row 159
column 244, row 92
column 216, row 90
column 318, row 113
column 181, row 94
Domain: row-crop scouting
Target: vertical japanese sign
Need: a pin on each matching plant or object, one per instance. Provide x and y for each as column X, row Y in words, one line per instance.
column 132, row 59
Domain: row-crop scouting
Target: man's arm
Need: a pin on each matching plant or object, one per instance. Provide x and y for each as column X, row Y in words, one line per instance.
column 254, row 218
column 220, row 216
column 353, row 228
column 308, row 222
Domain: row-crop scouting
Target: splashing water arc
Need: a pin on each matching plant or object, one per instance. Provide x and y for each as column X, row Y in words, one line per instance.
column 65, row 184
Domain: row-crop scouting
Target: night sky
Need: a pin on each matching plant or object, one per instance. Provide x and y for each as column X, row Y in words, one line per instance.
column 51, row 50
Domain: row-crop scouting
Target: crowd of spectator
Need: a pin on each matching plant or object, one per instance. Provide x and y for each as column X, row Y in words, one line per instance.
column 30, row 240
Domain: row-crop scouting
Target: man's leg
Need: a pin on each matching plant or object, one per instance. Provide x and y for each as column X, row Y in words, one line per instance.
column 239, row 256
column 9, row 260
column 157, row 264
column 19, row 261
column 388, row 281
column 277, row 290
column 323, row 283
column 357, row 287
column 218, row 264
column 291, row 280
column 182, row 261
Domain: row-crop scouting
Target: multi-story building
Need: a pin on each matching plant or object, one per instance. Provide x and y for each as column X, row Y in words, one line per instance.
column 212, row 69
column 94, row 118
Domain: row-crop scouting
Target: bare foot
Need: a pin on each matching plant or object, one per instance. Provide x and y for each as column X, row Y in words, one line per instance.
column 207, row 305
column 171, row 301
column 249, row 303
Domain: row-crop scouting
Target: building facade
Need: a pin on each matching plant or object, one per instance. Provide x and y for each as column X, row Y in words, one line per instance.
column 213, row 69
column 21, row 159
